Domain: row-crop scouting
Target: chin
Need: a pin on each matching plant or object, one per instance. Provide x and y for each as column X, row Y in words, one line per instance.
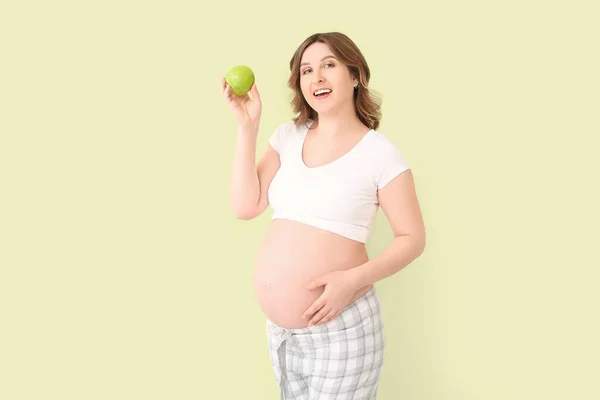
column 321, row 108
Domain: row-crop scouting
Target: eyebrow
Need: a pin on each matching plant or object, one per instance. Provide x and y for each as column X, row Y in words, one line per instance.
column 322, row 59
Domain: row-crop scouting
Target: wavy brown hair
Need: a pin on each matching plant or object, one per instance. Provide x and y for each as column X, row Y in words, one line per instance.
column 367, row 104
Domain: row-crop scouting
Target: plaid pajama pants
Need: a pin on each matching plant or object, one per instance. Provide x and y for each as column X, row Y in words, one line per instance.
column 341, row 359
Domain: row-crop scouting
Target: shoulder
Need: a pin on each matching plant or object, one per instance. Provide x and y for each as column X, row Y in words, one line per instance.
column 382, row 142
column 284, row 133
column 286, row 128
column 278, row 137
column 387, row 159
column 383, row 147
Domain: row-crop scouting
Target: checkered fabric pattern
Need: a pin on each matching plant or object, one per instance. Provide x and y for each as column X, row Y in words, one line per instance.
column 339, row 360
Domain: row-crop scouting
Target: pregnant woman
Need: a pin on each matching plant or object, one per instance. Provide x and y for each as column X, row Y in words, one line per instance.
column 324, row 174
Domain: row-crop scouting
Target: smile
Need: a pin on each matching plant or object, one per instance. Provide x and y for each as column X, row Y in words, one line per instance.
column 321, row 92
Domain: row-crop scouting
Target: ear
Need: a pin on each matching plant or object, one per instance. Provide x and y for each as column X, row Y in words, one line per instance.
column 355, row 80
column 355, row 75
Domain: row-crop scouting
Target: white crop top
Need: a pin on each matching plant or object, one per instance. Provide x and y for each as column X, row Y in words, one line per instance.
column 340, row 196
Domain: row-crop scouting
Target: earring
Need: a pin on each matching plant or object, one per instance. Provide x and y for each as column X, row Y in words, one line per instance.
column 356, row 87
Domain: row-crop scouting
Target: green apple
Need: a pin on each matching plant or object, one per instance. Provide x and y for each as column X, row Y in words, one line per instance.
column 241, row 79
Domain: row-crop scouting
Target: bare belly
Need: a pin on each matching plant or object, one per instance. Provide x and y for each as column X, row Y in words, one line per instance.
column 290, row 256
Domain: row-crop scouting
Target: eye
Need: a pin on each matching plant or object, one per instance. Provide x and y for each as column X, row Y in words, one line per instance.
column 331, row 64
column 305, row 71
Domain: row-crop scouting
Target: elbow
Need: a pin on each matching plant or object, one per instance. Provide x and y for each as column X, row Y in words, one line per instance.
column 247, row 210
column 421, row 248
column 241, row 209
column 418, row 243
column 245, row 213
column 245, row 217
column 421, row 244
column 414, row 245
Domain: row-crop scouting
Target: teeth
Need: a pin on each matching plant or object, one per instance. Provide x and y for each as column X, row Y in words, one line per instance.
column 318, row 92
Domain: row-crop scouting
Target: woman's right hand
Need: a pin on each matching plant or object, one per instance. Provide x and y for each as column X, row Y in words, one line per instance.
column 246, row 110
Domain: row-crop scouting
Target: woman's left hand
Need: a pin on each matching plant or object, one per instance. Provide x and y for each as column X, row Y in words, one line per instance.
column 339, row 289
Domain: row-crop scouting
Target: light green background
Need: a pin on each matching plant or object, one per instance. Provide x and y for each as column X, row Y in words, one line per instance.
column 124, row 274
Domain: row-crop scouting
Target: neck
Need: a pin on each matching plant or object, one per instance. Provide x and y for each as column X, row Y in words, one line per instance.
column 342, row 122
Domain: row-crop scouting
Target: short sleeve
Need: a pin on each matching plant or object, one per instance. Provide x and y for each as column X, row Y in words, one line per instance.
column 277, row 138
column 392, row 163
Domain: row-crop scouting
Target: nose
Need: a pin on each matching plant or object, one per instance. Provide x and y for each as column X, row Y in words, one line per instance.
column 318, row 77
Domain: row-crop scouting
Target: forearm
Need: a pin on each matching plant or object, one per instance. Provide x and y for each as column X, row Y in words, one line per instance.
column 245, row 186
column 397, row 255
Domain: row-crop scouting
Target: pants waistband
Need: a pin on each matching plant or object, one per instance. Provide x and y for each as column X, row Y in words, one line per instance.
column 362, row 310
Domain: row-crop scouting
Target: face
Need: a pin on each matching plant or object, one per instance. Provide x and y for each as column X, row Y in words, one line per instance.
column 326, row 83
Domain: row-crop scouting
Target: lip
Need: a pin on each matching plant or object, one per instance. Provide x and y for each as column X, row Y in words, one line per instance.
column 323, row 88
column 321, row 97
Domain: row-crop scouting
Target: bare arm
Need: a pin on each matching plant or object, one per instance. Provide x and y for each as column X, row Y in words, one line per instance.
column 250, row 181
column 400, row 204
